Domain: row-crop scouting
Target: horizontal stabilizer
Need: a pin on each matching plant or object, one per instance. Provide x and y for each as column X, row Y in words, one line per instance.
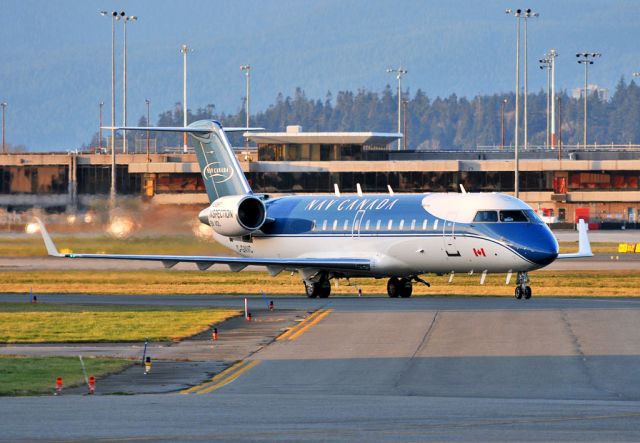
column 192, row 129
column 160, row 128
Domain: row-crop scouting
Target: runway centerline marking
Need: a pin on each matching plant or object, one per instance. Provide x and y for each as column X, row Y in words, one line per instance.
column 224, row 378
column 299, row 326
column 313, row 322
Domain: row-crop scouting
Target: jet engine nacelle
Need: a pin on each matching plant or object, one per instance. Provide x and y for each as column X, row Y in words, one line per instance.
column 235, row 215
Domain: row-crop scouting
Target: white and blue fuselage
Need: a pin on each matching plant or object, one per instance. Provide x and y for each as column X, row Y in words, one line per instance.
column 405, row 235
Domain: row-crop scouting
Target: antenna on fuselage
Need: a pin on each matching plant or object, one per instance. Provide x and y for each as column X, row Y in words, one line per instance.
column 390, row 190
column 336, row 190
column 464, row 191
column 359, row 189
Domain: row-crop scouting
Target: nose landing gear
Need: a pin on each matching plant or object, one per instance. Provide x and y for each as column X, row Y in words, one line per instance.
column 523, row 290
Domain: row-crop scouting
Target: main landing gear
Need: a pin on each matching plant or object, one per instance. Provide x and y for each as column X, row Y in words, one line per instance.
column 523, row 290
column 399, row 287
column 321, row 288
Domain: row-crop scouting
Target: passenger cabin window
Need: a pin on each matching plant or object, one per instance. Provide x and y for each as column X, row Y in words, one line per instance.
column 513, row 216
column 324, row 225
column 335, row 225
column 378, row 225
column 486, row 216
column 401, row 225
column 366, row 225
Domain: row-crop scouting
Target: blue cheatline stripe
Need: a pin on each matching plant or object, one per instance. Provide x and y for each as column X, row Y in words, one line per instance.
column 332, row 234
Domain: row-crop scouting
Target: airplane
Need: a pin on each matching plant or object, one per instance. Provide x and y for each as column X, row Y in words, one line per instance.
column 323, row 237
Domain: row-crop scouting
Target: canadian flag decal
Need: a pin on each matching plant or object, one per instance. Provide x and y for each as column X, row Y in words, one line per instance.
column 479, row 252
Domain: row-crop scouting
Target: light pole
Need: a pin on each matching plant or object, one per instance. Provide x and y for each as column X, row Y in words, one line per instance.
column 100, row 128
column 528, row 13
column 184, row 49
column 516, row 181
column 586, row 59
column 125, row 19
column 4, row 107
column 405, row 103
column 545, row 63
column 552, row 57
column 148, row 103
column 247, row 75
column 399, row 73
column 114, row 17
column 502, row 105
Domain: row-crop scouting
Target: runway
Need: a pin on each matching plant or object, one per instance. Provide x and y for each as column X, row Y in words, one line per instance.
column 379, row 369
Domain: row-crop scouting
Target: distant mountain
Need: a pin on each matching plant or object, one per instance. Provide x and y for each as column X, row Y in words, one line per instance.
column 55, row 56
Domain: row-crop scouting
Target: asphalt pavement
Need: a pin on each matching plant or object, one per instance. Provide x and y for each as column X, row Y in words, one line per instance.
column 380, row 369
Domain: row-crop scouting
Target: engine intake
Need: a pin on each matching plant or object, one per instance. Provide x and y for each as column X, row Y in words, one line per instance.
column 235, row 215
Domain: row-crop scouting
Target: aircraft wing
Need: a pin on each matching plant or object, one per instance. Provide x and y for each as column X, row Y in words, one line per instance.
column 584, row 247
column 274, row 265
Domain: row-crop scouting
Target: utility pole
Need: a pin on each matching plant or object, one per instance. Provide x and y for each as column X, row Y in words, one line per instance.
column 504, row 102
column 517, row 14
column 404, row 124
column 586, row 59
column 527, row 14
column 247, row 75
column 545, row 63
column 4, row 146
column 112, row 193
column 185, row 50
column 125, row 19
column 148, row 103
column 100, row 128
column 399, row 73
column 552, row 58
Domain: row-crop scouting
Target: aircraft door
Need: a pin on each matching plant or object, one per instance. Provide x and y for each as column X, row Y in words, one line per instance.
column 357, row 221
column 449, row 236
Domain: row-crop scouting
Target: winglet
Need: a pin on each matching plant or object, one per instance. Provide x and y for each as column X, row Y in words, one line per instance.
column 51, row 247
column 584, row 247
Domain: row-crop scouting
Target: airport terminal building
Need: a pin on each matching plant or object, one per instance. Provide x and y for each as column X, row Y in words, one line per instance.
column 599, row 184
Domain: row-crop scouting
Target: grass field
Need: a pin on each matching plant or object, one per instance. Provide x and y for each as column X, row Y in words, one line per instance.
column 37, row 375
column 163, row 282
column 40, row 323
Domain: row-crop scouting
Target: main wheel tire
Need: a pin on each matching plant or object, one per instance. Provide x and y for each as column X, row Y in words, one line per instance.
column 527, row 293
column 325, row 289
column 311, row 289
column 393, row 287
column 406, row 288
column 518, row 292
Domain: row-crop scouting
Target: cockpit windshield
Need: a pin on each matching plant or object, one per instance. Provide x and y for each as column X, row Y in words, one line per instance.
column 507, row 216
column 513, row 216
column 486, row 216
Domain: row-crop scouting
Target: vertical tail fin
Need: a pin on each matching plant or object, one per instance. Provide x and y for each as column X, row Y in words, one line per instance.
column 219, row 166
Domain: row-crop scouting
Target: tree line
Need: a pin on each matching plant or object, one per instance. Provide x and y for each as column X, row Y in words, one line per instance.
column 442, row 123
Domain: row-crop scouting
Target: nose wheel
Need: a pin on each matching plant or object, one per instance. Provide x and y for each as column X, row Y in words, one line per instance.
column 523, row 290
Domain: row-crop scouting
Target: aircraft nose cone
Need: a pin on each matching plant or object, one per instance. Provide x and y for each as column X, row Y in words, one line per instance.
column 543, row 246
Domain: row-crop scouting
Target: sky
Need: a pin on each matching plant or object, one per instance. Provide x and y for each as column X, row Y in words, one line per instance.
column 55, row 56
